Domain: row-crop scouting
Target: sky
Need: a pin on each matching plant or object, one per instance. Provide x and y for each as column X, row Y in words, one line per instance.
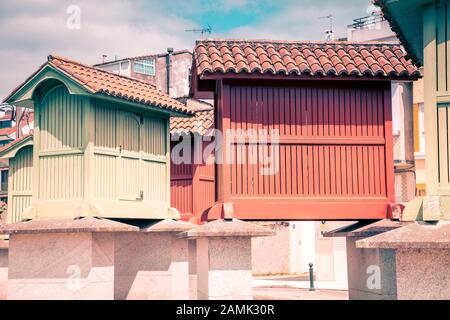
column 84, row 30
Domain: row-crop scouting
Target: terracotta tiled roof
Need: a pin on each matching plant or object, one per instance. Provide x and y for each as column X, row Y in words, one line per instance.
column 14, row 142
column 303, row 58
column 97, row 80
column 199, row 123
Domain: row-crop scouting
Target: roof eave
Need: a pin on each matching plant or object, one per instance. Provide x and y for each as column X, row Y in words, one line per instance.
column 144, row 106
column 11, row 150
column 414, row 53
column 23, row 94
column 271, row 76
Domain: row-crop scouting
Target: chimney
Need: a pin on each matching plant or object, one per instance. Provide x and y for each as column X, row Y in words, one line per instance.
column 169, row 53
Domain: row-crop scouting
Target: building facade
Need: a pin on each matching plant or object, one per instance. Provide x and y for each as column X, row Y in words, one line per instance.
column 169, row 72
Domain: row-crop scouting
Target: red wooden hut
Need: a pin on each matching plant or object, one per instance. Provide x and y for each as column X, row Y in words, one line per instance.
column 192, row 181
column 330, row 104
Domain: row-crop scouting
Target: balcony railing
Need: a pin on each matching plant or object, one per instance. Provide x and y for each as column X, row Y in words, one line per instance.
column 367, row 21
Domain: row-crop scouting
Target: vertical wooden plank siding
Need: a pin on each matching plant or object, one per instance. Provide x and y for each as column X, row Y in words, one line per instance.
column 437, row 101
column 192, row 185
column 443, row 136
column 61, row 154
column 442, row 46
column 332, row 141
column 20, row 183
column 61, row 120
column 430, row 89
column 129, row 155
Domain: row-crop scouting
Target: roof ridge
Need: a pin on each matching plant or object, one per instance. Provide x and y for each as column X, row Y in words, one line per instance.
column 57, row 57
column 303, row 58
column 309, row 42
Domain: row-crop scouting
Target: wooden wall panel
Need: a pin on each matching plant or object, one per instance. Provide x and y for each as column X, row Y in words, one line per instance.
column 181, row 196
column 130, row 154
column 22, row 170
column 18, row 205
column 105, row 168
column 61, row 177
column 129, row 185
column 61, row 120
column 443, row 137
column 155, row 181
column 154, row 136
column 105, row 126
column 331, row 141
column 20, row 184
column 192, row 185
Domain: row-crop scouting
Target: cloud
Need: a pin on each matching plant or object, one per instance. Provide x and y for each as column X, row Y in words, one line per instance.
column 303, row 20
column 30, row 30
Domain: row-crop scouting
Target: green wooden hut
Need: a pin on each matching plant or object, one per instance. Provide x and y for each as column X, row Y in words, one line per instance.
column 101, row 145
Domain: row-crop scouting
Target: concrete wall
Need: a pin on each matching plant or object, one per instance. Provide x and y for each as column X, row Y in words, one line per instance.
column 181, row 63
column 179, row 74
column 379, row 31
column 271, row 255
column 295, row 245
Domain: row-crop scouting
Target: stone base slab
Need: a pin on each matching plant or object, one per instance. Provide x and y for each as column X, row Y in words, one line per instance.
column 61, row 266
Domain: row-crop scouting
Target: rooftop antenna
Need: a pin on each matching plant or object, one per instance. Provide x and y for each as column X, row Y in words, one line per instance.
column 329, row 34
column 204, row 30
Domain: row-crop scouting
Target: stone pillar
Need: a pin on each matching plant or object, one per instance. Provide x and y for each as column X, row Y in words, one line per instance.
column 421, row 258
column 152, row 263
column 3, row 269
column 62, row 259
column 192, row 247
column 371, row 272
column 224, row 267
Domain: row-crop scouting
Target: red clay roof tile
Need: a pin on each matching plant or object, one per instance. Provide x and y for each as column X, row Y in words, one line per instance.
column 298, row 58
column 100, row 81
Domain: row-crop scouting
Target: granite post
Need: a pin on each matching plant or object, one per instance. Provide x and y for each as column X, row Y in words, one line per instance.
column 224, row 260
column 4, row 244
column 371, row 272
column 422, row 258
column 62, row 258
column 153, row 263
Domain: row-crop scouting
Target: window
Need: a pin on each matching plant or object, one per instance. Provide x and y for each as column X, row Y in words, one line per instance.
column 5, row 124
column 419, row 129
column 4, row 180
column 145, row 67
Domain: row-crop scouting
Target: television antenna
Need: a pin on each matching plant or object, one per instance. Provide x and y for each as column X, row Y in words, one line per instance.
column 203, row 31
column 329, row 34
